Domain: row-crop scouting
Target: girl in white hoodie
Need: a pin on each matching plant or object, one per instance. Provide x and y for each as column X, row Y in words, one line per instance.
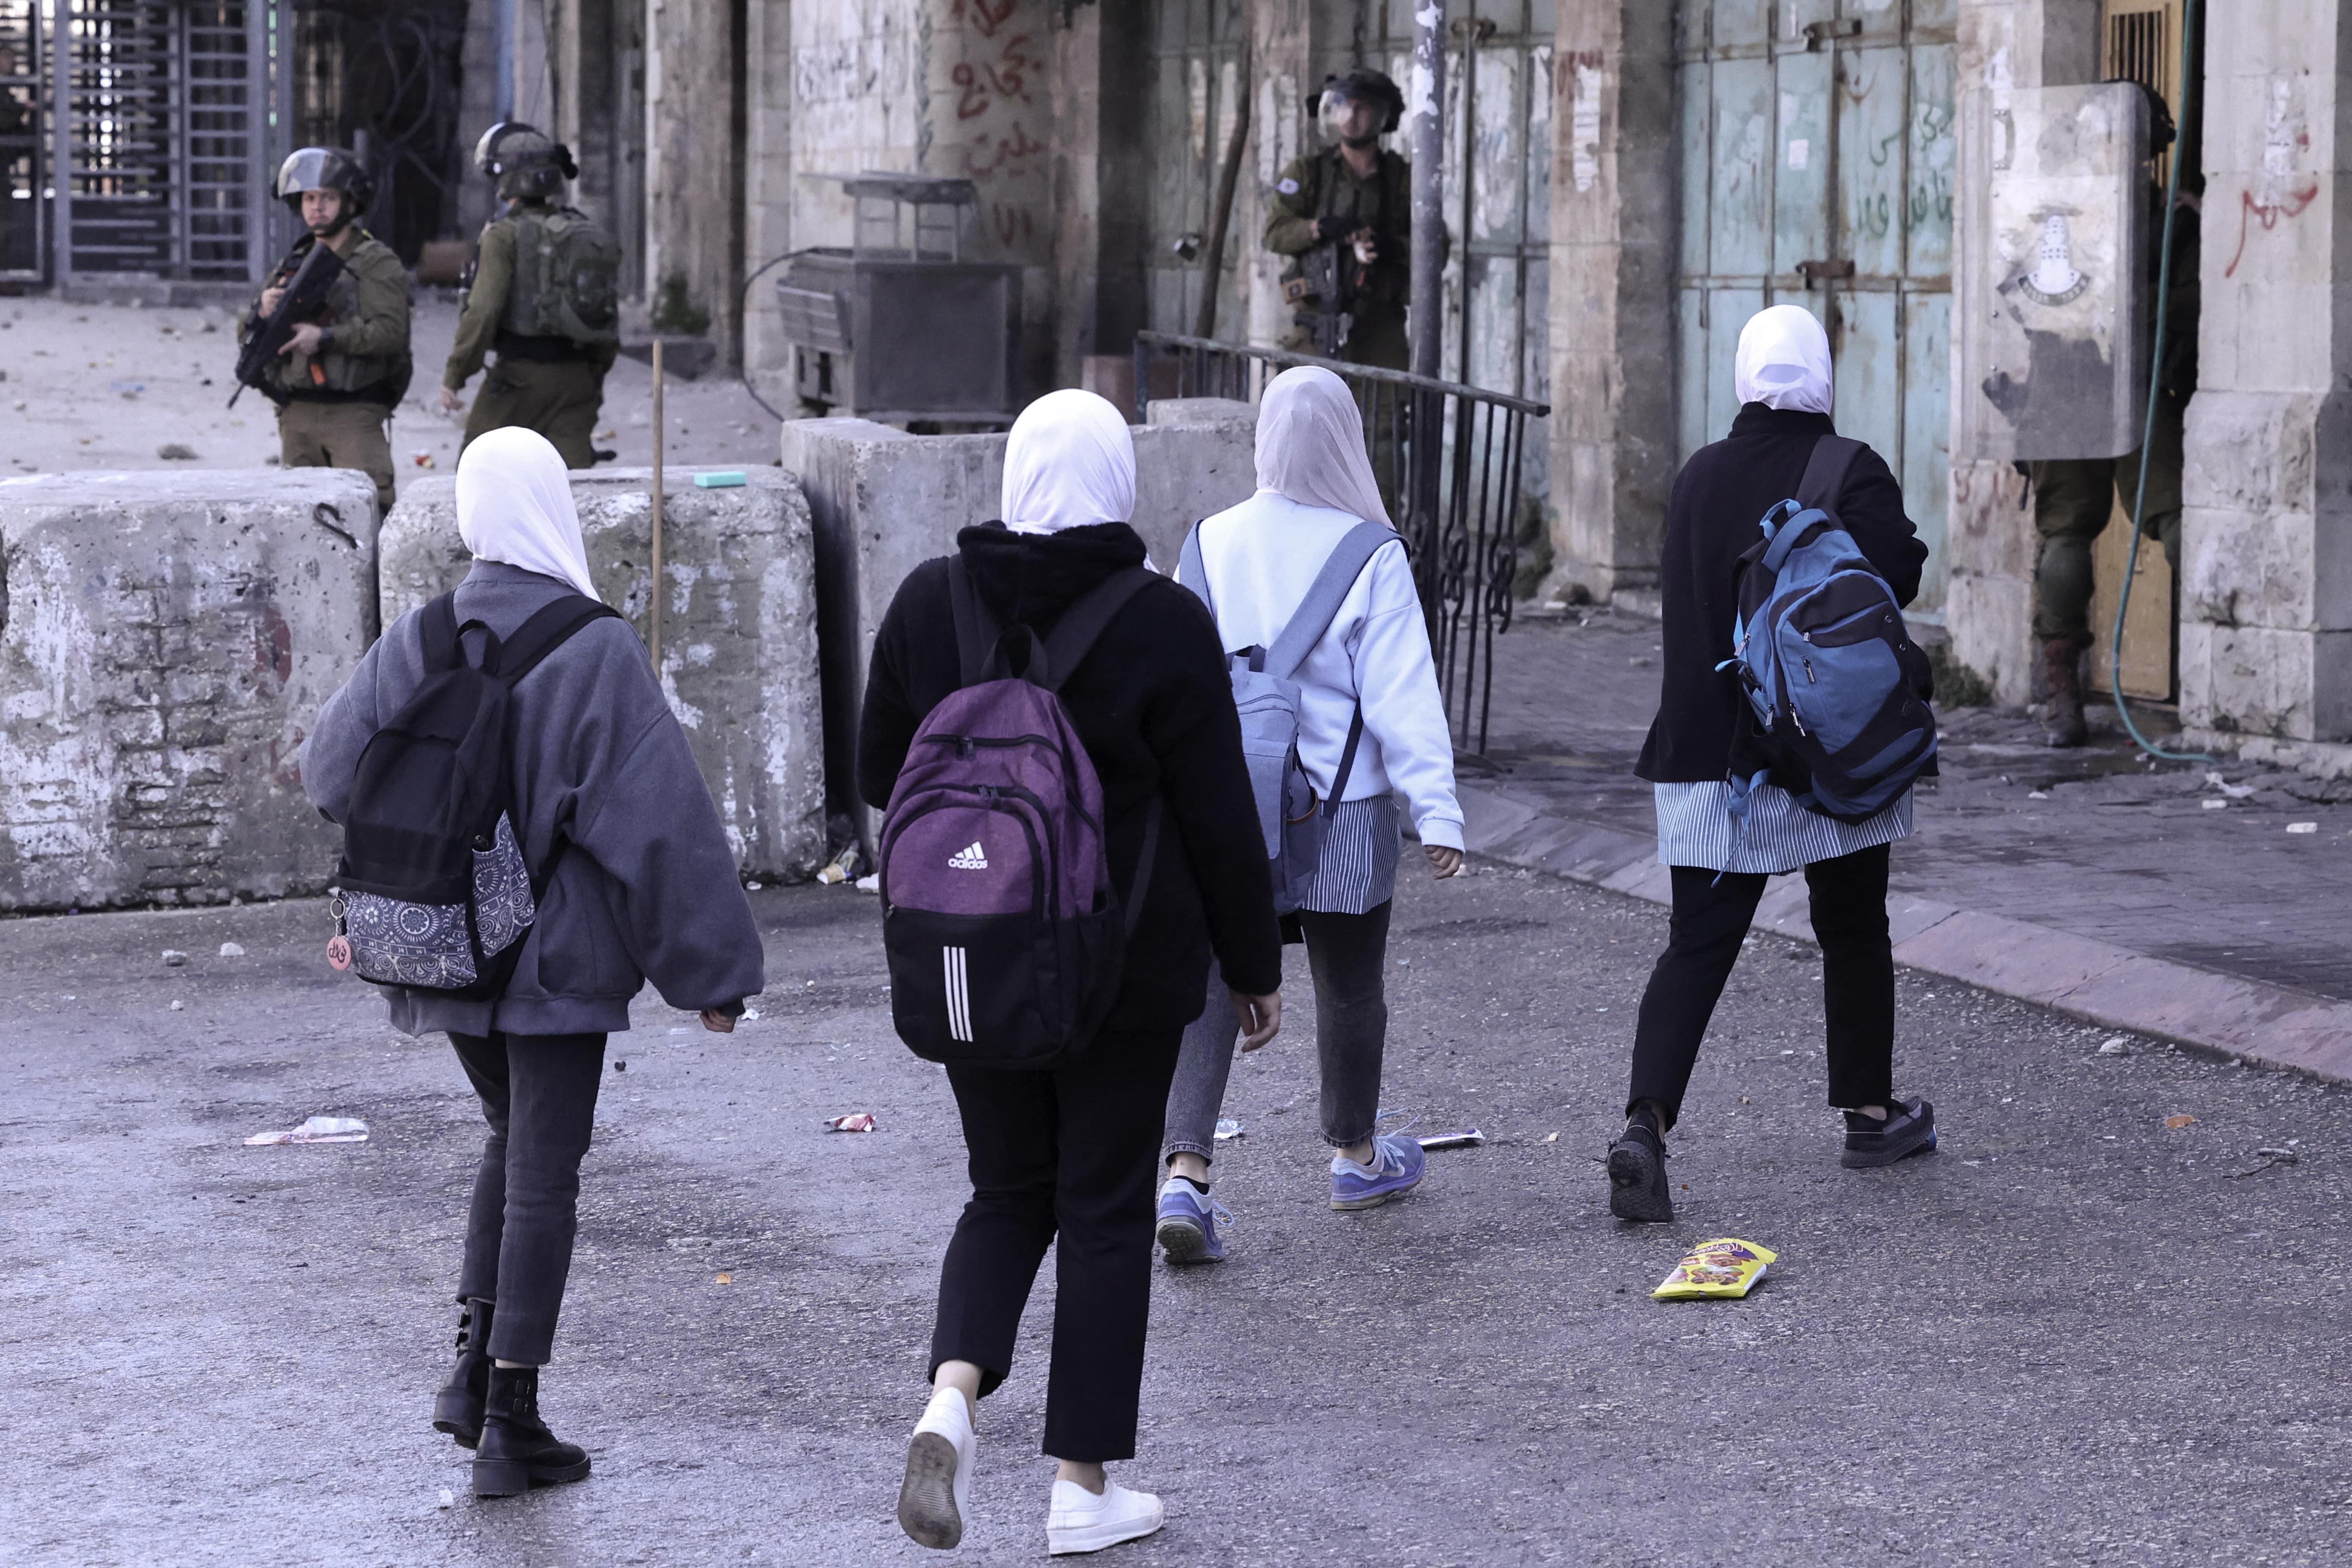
column 1315, row 487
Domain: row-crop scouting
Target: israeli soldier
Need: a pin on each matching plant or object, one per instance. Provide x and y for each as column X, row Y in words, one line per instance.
column 543, row 291
column 2074, row 497
column 1344, row 217
column 339, row 377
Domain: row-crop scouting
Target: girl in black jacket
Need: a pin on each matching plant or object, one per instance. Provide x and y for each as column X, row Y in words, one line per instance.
column 1074, row 1151
column 1783, row 380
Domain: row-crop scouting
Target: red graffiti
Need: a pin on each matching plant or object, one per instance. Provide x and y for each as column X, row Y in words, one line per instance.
column 1007, row 81
column 984, row 16
column 1011, row 223
column 2268, row 215
column 983, row 158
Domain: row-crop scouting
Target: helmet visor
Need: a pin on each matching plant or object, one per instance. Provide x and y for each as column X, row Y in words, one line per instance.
column 313, row 169
column 1339, row 113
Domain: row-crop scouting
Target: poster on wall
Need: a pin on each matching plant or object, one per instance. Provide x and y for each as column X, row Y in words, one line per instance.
column 2051, row 293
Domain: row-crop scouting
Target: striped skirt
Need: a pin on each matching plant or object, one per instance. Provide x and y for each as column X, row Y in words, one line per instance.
column 1696, row 828
column 1357, row 871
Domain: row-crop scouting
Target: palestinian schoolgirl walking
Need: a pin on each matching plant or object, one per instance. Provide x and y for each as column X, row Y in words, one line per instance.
column 1720, row 864
column 1311, row 559
column 615, row 836
column 1065, row 1155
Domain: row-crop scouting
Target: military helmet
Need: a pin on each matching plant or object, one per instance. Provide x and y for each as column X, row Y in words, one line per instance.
column 1361, row 85
column 524, row 160
column 325, row 169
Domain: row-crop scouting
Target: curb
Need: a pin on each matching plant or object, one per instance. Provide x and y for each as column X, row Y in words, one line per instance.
column 2085, row 978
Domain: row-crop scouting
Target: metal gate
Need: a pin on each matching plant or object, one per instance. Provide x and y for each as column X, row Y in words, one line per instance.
column 1818, row 141
column 160, row 115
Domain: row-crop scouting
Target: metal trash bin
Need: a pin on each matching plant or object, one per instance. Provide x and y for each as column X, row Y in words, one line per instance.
column 900, row 327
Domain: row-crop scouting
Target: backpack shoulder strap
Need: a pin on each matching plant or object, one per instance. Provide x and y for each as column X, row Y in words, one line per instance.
column 1192, row 570
column 1825, row 471
column 1073, row 635
column 1324, row 596
column 437, row 625
column 548, row 629
column 976, row 628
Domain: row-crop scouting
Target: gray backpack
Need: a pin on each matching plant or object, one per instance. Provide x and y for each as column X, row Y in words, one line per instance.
column 566, row 283
column 1268, row 700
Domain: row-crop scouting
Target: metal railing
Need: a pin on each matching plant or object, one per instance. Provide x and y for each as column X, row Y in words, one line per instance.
column 1454, row 495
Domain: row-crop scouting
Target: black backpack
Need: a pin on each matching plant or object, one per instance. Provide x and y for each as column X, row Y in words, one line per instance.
column 433, row 891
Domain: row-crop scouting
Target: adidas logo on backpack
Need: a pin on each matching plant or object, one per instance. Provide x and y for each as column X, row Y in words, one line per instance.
column 975, row 858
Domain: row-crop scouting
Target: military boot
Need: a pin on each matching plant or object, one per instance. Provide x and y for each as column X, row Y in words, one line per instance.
column 2062, row 693
column 517, row 1450
column 457, row 1408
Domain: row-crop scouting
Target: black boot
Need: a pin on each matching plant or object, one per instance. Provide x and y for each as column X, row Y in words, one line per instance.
column 1637, row 1171
column 517, row 1448
column 457, row 1408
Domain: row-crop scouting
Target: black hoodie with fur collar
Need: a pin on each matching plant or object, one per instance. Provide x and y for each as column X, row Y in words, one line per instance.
column 1154, row 707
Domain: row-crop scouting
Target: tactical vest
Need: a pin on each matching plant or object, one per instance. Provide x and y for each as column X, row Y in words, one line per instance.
column 566, row 284
column 346, row 377
column 1383, row 204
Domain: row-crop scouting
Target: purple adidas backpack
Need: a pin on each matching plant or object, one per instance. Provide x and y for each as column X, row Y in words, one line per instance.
column 1004, row 938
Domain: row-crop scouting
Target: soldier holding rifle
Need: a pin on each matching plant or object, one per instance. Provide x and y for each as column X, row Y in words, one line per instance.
column 1344, row 216
column 344, row 366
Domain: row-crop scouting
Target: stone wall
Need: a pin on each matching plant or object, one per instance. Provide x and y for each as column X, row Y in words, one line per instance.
column 883, row 501
column 739, row 631
column 2266, row 534
column 164, row 640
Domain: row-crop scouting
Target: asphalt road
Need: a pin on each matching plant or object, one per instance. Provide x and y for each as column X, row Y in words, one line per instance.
column 2074, row 1336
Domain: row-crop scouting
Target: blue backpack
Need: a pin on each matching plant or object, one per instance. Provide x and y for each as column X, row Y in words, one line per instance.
column 1836, row 689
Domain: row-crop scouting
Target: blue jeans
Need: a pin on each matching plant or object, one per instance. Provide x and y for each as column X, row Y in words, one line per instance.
column 1344, row 954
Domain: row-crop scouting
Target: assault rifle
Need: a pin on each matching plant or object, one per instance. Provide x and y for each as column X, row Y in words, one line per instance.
column 305, row 282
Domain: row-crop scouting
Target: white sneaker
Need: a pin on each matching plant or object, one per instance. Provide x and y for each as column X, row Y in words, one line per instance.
column 1081, row 1521
column 938, row 1488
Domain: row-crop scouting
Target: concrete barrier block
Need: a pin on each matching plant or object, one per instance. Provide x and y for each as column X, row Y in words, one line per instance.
column 165, row 638
column 883, row 502
column 739, row 630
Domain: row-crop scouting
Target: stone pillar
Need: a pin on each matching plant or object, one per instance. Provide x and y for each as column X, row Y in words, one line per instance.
column 1989, row 608
column 694, row 179
column 1615, row 172
column 769, row 162
column 2266, row 591
column 1101, row 105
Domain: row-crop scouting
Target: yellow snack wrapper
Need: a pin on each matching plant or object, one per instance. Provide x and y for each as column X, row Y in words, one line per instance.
column 1725, row 1267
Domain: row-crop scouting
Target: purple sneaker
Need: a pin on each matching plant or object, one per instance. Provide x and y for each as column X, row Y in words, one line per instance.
column 1396, row 1167
column 1187, row 1223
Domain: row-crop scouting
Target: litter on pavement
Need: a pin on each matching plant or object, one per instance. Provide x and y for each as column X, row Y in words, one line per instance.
column 1469, row 1140
column 2269, row 1157
column 2235, row 792
column 174, row 958
column 2178, row 1122
column 862, row 1121
column 231, row 950
column 842, row 870
column 2118, row 1046
column 1726, row 1266
column 1227, row 1130
column 318, row 1129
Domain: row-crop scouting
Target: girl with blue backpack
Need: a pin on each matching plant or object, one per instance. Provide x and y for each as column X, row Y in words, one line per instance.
column 1068, row 839
column 1331, row 668
column 1734, row 805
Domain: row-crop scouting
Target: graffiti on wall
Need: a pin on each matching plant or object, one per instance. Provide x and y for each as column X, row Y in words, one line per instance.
column 988, row 116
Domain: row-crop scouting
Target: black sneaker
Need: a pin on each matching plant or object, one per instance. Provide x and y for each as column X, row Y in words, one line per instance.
column 1637, row 1176
column 1909, row 1129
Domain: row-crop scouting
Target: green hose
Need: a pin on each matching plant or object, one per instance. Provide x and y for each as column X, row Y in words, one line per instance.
column 2190, row 17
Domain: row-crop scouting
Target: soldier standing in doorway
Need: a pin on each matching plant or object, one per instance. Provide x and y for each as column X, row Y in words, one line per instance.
column 1344, row 216
column 543, row 290
column 339, row 377
column 2073, row 499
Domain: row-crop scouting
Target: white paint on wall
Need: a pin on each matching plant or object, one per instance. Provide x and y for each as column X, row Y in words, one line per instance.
column 1584, row 127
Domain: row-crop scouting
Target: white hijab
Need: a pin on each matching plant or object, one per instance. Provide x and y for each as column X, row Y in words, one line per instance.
column 1310, row 444
column 1070, row 461
column 1784, row 361
column 514, row 505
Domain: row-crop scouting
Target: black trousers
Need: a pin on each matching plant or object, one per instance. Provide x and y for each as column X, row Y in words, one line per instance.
column 1073, row 1155
column 538, row 1095
column 1711, row 917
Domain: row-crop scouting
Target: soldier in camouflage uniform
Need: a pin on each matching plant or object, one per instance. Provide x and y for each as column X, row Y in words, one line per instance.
column 339, row 377
column 1344, row 217
column 543, row 291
